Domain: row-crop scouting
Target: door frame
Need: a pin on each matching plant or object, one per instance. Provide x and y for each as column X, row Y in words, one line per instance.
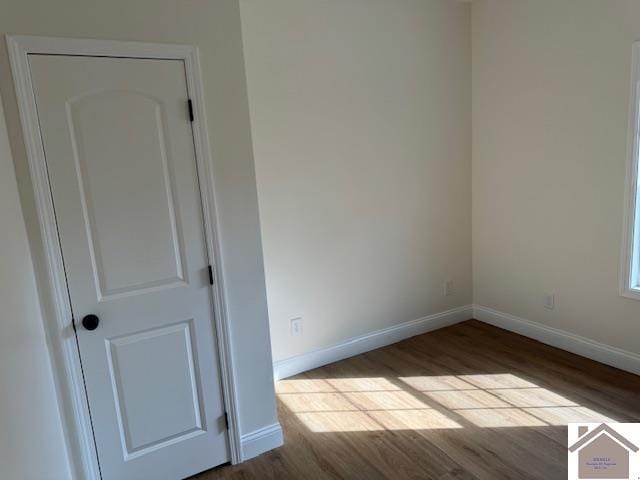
column 63, row 347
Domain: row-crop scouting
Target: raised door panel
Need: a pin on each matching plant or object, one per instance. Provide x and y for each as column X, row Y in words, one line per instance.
column 159, row 365
column 119, row 143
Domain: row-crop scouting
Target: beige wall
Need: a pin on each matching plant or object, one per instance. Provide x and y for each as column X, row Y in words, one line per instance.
column 360, row 115
column 214, row 26
column 31, row 441
column 550, row 112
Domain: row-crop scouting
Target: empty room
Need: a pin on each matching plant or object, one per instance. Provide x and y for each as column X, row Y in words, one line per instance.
column 319, row 239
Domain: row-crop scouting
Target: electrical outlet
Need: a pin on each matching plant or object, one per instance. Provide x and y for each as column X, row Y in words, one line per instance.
column 549, row 301
column 296, row 326
column 448, row 287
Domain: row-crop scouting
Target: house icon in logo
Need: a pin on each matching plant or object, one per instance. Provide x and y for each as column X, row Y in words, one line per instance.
column 603, row 453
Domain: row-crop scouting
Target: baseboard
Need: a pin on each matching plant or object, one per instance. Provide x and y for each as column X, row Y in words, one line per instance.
column 260, row 441
column 570, row 342
column 371, row 341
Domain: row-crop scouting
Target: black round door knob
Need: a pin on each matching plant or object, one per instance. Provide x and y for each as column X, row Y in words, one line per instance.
column 90, row 322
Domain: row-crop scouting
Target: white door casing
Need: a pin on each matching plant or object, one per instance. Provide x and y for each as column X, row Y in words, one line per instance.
column 120, row 156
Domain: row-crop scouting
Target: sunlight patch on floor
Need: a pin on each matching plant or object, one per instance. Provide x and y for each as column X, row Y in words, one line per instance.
column 424, row 419
column 385, row 400
column 366, row 384
column 565, row 415
column 428, row 402
column 339, row 422
column 501, row 417
column 317, row 402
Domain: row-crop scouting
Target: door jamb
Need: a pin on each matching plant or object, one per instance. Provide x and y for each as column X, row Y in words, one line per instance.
column 72, row 400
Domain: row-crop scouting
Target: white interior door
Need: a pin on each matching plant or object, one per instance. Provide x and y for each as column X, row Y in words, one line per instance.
column 120, row 156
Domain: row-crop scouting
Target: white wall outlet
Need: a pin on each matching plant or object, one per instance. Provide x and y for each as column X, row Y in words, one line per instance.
column 296, row 326
column 549, row 301
column 447, row 288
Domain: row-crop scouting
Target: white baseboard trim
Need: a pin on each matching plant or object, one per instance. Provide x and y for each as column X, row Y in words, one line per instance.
column 570, row 342
column 260, row 441
column 370, row 341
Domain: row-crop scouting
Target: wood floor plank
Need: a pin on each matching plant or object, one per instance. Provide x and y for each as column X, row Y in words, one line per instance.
column 467, row 402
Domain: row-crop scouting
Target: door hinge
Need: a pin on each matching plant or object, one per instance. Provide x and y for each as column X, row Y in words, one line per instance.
column 190, row 106
column 210, row 275
column 226, row 420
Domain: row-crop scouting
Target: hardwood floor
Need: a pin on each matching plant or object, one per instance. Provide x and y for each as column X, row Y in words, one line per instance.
column 469, row 401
